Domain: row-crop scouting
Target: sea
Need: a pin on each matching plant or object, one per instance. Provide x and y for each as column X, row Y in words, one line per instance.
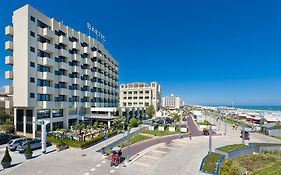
column 263, row 110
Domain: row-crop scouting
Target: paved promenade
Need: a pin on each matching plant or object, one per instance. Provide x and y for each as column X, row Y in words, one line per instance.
column 192, row 127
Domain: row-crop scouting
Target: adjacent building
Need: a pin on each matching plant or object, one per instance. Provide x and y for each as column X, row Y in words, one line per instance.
column 172, row 102
column 140, row 95
column 57, row 73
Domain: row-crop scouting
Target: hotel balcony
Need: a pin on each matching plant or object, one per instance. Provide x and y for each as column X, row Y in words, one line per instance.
column 46, row 61
column 45, row 90
column 86, row 61
column 46, row 47
column 86, row 93
column 9, row 60
column 9, row 75
column 9, row 31
column 86, row 50
column 77, row 105
column 87, row 105
column 76, row 45
column 8, row 90
column 87, row 72
column 76, row 81
column 63, row 91
column 63, row 65
column 64, row 40
column 63, row 53
column 45, row 104
column 87, row 83
column 76, row 57
column 48, row 33
column 97, row 94
column 45, row 75
column 9, row 45
column 64, row 104
column 63, row 78
column 76, row 69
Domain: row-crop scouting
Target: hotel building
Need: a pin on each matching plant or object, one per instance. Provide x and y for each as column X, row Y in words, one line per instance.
column 140, row 95
column 58, row 74
column 172, row 102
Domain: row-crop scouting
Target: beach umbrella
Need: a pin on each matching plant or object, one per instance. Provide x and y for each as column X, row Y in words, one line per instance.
column 116, row 148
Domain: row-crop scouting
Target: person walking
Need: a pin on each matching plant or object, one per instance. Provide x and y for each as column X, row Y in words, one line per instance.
column 190, row 136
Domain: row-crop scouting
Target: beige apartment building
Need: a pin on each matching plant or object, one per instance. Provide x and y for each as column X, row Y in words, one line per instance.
column 58, row 74
column 172, row 102
column 140, row 95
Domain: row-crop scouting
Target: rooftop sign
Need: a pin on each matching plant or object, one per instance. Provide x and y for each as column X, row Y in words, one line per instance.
column 98, row 34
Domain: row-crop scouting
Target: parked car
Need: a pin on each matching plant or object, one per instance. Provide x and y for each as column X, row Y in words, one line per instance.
column 12, row 144
column 34, row 144
column 5, row 138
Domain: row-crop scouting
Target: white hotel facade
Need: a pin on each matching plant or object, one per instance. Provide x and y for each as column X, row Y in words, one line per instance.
column 58, row 74
column 140, row 95
column 172, row 102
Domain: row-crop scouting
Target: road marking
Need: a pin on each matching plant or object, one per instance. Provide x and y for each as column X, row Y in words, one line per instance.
column 141, row 164
column 93, row 169
column 98, row 165
column 112, row 171
column 164, row 152
column 116, row 167
column 103, row 161
column 168, row 147
column 86, row 174
column 151, row 157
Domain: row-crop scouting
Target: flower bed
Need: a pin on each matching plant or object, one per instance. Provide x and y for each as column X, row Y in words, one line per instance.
column 230, row 148
column 211, row 163
column 80, row 144
column 234, row 151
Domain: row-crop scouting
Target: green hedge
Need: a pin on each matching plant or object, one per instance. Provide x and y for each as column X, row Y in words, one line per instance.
column 79, row 144
column 211, row 162
column 230, row 148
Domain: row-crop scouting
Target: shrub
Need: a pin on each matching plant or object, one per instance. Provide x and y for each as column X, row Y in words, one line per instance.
column 7, row 157
column 60, row 144
column 28, row 149
column 7, row 128
column 133, row 122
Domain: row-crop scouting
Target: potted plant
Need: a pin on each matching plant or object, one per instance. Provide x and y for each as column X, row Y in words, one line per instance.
column 28, row 152
column 6, row 161
column 172, row 128
column 61, row 146
column 162, row 127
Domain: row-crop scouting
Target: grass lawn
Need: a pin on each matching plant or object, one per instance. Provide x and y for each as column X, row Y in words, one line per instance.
column 211, row 162
column 205, row 122
column 230, row 148
column 135, row 139
column 271, row 169
column 159, row 133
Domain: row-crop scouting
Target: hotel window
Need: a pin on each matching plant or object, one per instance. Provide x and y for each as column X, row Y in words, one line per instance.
column 147, row 92
column 32, row 34
column 135, row 97
column 125, row 98
column 32, row 80
column 32, row 64
column 32, row 49
column 124, row 92
column 43, row 113
column 41, row 68
column 32, row 18
column 140, row 97
column 32, row 95
column 130, row 92
column 43, row 97
column 146, row 104
column 135, row 92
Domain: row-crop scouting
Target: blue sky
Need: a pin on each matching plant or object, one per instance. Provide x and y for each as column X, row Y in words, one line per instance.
column 208, row 52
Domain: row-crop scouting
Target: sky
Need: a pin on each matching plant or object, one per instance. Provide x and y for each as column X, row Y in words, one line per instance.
column 206, row 51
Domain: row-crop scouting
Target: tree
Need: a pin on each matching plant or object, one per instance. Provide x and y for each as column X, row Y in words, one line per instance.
column 176, row 117
column 4, row 117
column 150, row 112
column 133, row 122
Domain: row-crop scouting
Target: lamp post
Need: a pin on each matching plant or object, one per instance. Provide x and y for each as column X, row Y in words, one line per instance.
column 210, row 138
column 180, row 126
column 243, row 133
column 128, row 146
column 43, row 124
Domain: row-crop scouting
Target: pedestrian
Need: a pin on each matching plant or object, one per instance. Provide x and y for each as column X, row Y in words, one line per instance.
column 190, row 136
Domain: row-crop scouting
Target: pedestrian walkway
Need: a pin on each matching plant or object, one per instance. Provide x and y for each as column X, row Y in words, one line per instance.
column 192, row 127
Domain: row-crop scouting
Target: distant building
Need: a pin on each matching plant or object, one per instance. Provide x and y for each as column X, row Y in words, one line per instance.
column 172, row 102
column 140, row 95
